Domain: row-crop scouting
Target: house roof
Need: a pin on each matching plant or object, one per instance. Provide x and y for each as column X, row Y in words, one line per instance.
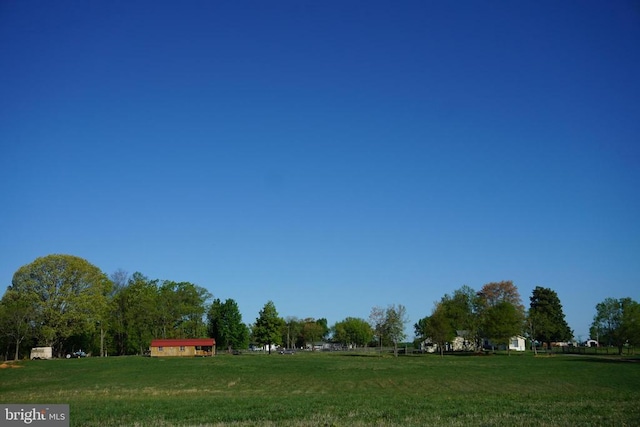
column 183, row 342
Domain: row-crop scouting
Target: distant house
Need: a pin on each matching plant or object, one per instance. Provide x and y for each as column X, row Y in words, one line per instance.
column 266, row 347
column 318, row 346
column 428, row 346
column 517, row 343
column 187, row 347
column 460, row 343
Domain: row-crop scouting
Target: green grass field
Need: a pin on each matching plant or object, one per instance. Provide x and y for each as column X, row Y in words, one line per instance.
column 334, row 389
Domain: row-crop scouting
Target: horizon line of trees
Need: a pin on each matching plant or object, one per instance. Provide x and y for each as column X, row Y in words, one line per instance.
column 494, row 315
column 67, row 303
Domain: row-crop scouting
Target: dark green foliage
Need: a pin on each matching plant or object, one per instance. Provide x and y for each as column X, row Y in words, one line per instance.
column 388, row 325
column 135, row 314
column 143, row 309
column 292, row 333
column 353, row 332
column 495, row 313
column 395, row 320
column 267, row 329
column 314, row 331
column 546, row 318
column 617, row 322
column 181, row 308
column 501, row 322
column 17, row 319
column 69, row 296
column 324, row 327
column 464, row 309
column 501, row 313
column 225, row 325
column 437, row 328
column 71, row 305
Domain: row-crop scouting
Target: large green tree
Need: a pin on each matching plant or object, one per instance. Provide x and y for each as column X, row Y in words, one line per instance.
column 117, row 324
column 225, row 325
column 71, row 294
column 142, row 309
column 501, row 322
column 463, row 309
column 17, row 318
column 136, row 308
column 546, row 318
column 617, row 322
column 388, row 325
column 314, row 330
column 267, row 329
column 438, row 327
column 501, row 312
column 395, row 321
column 181, row 309
column 292, row 332
column 353, row 332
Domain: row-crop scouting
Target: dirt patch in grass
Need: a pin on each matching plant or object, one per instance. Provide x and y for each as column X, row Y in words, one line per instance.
column 9, row 364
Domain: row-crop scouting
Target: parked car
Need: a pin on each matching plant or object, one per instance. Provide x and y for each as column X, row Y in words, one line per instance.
column 287, row 351
column 76, row 354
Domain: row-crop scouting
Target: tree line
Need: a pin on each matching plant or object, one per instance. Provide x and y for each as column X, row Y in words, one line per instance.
column 65, row 302
column 493, row 315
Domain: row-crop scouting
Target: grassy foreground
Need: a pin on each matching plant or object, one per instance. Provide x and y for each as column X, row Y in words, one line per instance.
column 333, row 389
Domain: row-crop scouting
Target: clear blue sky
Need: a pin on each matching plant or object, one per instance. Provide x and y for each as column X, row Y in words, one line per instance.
column 328, row 156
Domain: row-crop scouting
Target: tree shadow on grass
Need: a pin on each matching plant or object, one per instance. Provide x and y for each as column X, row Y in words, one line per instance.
column 601, row 359
column 474, row 353
column 371, row 355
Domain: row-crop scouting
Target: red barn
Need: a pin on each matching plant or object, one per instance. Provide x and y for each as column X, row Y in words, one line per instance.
column 183, row 347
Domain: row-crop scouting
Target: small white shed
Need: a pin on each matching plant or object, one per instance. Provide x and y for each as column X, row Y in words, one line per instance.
column 518, row 343
column 41, row 353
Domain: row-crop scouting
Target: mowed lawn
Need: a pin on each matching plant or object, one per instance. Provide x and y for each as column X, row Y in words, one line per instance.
column 333, row 389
